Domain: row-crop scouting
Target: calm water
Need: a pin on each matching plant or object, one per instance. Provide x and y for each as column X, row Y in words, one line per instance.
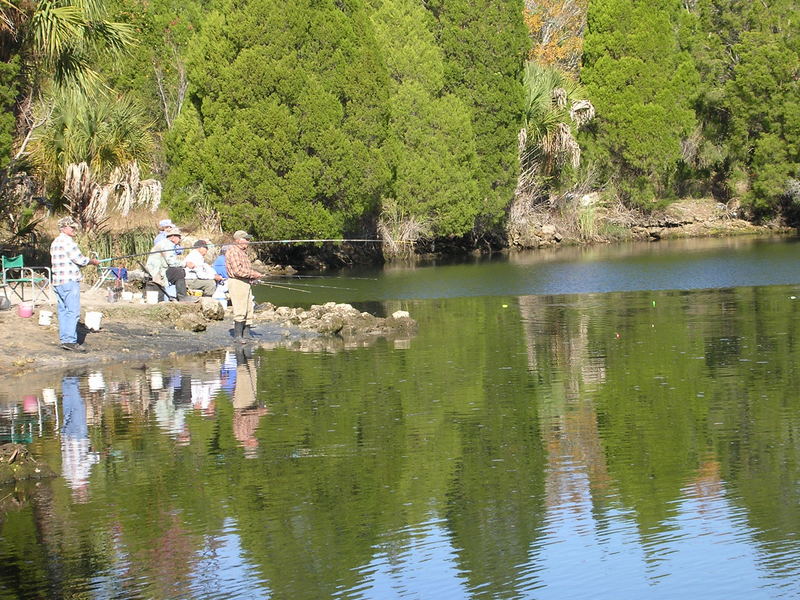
column 625, row 444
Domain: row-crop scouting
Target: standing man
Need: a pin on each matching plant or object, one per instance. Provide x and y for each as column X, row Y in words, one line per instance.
column 241, row 276
column 66, row 260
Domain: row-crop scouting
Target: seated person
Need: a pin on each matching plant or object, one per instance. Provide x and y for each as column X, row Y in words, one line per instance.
column 219, row 264
column 165, row 267
column 199, row 274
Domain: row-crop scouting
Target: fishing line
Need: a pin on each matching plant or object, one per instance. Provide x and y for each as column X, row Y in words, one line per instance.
column 254, row 243
column 330, row 287
column 284, row 287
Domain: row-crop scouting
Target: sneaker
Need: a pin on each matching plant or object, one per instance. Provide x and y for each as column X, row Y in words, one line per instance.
column 73, row 347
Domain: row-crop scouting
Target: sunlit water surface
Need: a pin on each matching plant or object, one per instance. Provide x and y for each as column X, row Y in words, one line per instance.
column 638, row 444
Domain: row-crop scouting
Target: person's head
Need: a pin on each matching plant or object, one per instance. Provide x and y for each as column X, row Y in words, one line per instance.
column 165, row 224
column 68, row 226
column 241, row 238
column 201, row 246
column 174, row 235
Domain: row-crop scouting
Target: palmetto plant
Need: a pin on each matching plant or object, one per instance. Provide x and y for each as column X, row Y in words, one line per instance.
column 54, row 42
column 554, row 109
column 57, row 38
column 89, row 152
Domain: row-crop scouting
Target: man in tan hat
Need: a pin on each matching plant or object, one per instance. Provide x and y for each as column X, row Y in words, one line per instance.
column 165, row 266
column 241, row 276
column 66, row 262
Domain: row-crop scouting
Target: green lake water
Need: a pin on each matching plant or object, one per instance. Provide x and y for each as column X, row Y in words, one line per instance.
column 637, row 439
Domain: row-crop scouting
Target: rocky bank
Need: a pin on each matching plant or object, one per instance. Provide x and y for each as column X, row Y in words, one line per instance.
column 135, row 331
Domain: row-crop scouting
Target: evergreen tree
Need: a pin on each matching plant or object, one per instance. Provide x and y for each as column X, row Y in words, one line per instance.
column 289, row 115
column 642, row 84
column 9, row 88
column 485, row 43
column 430, row 142
column 748, row 54
column 154, row 71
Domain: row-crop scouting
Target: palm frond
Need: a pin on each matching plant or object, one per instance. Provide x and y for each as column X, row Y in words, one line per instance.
column 54, row 27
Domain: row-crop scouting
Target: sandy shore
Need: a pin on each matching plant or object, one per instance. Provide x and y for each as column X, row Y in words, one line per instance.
column 129, row 331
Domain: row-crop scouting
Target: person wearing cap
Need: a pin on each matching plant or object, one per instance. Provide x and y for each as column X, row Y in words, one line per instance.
column 165, row 267
column 66, row 261
column 163, row 225
column 199, row 274
column 240, row 279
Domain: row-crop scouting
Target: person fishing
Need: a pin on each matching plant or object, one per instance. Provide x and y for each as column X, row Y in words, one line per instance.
column 165, row 267
column 199, row 274
column 241, row 277
column 66, row 262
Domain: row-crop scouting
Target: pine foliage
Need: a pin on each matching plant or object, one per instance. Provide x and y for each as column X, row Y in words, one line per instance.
column 485, row 44
column 288, row 121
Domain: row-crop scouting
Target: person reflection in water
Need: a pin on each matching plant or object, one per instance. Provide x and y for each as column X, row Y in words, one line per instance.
column 246, row 412
column 76, row 457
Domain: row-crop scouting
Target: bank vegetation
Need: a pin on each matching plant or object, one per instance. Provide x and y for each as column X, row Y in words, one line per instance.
column 445, row 125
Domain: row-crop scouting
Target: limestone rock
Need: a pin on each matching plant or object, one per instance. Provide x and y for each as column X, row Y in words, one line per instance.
column 192, row 321
column 211, row 309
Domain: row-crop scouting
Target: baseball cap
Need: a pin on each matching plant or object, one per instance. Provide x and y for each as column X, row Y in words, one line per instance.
column 165, row 223
column 67, row 222
column 242, row 235
column 173, row 231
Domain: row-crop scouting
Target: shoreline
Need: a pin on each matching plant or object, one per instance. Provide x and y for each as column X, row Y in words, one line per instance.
column 127, row 333
column 141, row 332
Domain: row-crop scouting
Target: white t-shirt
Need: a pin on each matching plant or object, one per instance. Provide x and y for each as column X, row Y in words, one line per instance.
column 201, row 269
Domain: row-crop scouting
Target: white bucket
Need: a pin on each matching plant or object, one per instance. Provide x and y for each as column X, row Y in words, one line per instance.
column 45, row 317
column 152, row 296
column 219, row 296
column 93, row 320
column 127, row 296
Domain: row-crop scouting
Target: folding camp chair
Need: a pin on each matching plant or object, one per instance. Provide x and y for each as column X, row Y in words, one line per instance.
column 110, row 274
column 16, row 277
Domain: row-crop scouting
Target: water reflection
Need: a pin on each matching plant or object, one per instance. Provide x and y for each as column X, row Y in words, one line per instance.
column 530, row 447
column 77, row 457
column 246, row 411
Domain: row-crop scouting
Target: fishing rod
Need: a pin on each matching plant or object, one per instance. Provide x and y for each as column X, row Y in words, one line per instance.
column 324, row 277
column 254, row 243
column 283, row 287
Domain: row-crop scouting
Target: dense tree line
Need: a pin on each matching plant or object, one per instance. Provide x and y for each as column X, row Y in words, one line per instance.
column 412, row 120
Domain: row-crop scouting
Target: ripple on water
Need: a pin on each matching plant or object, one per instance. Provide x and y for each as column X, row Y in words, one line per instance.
column 418, row 561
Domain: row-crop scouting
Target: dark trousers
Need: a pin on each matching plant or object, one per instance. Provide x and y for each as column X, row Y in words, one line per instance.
column 177, row 277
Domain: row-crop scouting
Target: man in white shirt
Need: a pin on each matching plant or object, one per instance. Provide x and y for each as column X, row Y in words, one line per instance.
column 199, row 274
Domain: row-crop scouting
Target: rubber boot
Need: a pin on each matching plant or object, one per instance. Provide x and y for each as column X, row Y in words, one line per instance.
column 238, row 332
column 247, row 333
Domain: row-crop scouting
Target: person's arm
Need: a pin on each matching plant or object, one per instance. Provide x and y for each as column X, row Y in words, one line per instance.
column 75, row 255
column 172, row 257
column 193, row 262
